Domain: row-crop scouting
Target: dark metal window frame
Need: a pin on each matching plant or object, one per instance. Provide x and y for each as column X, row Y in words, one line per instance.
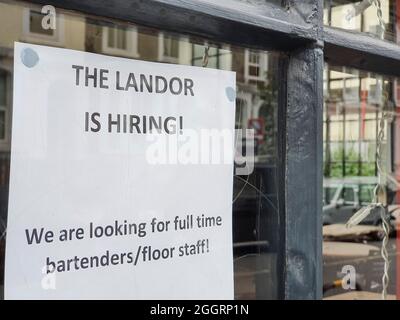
column 295, row 28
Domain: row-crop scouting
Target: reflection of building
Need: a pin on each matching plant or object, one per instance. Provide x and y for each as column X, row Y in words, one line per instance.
column 352, row 108
column 251, row 66
column 256, row 90
column 138, row 43
column 354, row 101
column 254, row 217
column 256, row 98
column 353, row 105
column 25, row 26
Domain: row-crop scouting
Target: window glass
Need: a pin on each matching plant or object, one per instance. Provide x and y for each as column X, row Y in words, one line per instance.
column 255, row 201
column 351, row 143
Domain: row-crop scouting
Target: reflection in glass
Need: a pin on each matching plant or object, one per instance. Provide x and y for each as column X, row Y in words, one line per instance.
column 117, row 38
column 362, row 16
column 255, row 204
column 352, row 112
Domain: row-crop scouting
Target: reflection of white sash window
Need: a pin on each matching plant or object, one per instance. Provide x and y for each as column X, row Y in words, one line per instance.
column 168, row 48
column 256, row 66
column 35, row 33
column 120, row 41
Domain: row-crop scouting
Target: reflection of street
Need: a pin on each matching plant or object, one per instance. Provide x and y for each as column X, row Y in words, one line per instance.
column 359, row 247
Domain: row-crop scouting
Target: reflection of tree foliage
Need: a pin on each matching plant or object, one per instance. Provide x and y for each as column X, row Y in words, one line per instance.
column 268, row 93
column 352, row 165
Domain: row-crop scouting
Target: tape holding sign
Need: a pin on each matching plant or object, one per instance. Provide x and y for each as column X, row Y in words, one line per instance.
column 92, row 214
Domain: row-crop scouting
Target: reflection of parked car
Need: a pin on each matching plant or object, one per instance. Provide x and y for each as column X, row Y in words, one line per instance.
column 342, row 198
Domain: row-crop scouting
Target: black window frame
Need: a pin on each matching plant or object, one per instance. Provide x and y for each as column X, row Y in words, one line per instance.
column 296, row 29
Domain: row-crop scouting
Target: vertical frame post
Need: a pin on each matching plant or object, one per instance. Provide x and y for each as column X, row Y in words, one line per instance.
column 303, row 175
column 301, row 121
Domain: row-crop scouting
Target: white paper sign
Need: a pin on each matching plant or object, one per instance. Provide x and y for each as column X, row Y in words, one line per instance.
column 98, row 207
